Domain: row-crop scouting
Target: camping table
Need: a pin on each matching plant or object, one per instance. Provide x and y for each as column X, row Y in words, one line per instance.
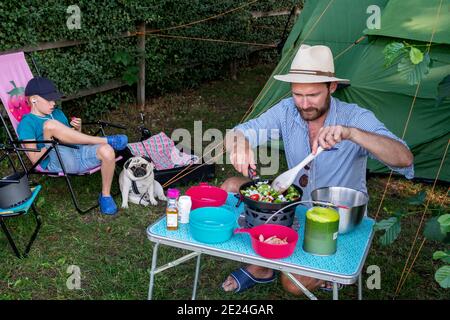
column 344, row 267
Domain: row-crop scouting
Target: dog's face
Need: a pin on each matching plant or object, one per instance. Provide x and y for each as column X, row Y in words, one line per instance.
column 138, row 168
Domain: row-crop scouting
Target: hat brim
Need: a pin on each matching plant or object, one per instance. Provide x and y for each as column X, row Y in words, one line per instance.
column 52, row 96
column 308, row 78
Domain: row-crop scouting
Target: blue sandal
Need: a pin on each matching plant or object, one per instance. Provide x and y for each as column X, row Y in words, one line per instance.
column 245, row 280
column 329, row 287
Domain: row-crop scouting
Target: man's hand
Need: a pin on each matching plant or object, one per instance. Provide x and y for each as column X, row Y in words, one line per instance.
column 241, row 158
column 75, row 123
column 241, row 153
column 330, row 136
column 387, row 150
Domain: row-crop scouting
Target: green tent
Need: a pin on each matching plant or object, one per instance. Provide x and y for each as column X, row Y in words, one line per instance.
column 385, row 91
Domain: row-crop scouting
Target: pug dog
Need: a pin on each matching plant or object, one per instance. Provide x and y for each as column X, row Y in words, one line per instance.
column 137, row 183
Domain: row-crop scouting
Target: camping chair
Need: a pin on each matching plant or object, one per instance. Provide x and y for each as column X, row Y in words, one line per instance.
column 14, row 75
column 18, row 209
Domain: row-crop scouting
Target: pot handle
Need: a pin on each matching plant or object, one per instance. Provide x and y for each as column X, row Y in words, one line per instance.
column 240, row 197
column 241, row 230
column 7, row 181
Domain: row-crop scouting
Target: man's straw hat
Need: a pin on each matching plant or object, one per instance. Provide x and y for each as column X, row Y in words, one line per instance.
column 311, row 64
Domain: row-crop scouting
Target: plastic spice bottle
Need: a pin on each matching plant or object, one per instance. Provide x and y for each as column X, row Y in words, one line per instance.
column 172, row 209
column 184, row 208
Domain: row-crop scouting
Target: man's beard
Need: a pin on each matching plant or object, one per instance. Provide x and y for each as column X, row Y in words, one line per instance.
column 312, row 114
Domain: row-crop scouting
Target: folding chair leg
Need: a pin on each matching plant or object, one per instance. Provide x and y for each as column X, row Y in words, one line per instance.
column 74, row 198
column 10, row 239
column 19, row 255
column 38, row 221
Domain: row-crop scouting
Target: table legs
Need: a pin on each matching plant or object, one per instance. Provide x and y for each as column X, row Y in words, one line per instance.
column 360, row 287
column 197, row 272
column 152, row 270
column 300, row 286
column 335, row 291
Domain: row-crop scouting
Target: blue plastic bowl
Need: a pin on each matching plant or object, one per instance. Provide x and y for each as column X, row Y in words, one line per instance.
column 212, row 224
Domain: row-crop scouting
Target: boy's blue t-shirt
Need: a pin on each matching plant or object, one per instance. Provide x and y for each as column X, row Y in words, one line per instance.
column 31, row 127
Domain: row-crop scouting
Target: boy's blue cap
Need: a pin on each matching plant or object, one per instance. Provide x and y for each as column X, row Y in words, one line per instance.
column 44, row 88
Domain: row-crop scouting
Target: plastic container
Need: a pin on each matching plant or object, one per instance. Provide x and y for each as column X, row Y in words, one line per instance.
column 212, row 224
column 172, row 209
column 184, row 209
column 205, row 195
column 321, row 231
column 268, row 250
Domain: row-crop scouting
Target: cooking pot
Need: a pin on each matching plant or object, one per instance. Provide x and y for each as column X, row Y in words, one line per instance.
column 14, row 190
column 260, row 212
column 264, row 206
column 212, row 224
column 268, row 250
column 355, row 201
column 205, row 195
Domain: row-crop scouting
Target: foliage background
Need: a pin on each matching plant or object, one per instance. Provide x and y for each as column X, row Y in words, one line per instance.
column 171, row 64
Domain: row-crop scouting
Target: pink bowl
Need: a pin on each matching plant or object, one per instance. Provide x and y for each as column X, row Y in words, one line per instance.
column 268, row 250
column 205, row 195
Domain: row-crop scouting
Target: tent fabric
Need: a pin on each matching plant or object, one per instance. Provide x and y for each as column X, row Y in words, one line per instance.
column 411, row 20
column 337, row 24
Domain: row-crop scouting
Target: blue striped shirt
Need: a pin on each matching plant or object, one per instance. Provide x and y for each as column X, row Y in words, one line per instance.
column 344, row 167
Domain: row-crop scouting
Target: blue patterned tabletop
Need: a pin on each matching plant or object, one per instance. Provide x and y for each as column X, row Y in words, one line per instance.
column 346, row 262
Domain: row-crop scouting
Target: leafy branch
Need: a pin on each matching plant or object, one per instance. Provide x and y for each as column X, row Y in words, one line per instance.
column 412, row 63
column 437, row 228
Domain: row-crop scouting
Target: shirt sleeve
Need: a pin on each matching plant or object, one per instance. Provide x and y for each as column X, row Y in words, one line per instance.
column 25, row 130
column 265, row 127
column 59, row 115
column 367, row 121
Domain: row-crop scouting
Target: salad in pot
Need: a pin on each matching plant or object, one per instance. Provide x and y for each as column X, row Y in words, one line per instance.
column 263, row 192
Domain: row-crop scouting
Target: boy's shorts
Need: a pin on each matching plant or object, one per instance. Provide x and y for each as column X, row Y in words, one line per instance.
column 74, row 160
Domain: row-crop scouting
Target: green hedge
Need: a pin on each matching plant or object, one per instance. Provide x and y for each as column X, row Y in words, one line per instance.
column 171, row 64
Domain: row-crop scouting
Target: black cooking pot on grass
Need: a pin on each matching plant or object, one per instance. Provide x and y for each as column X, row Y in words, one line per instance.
column 14, row 190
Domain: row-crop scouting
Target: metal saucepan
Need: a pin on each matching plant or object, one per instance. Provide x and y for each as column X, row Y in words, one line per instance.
column 355, row 201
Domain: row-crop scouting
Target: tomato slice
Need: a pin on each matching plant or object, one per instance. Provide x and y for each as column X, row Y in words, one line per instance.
column 254, row 197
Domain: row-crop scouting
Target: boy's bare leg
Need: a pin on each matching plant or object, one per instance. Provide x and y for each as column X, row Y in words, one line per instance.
column 54, row 128
column 107, row 156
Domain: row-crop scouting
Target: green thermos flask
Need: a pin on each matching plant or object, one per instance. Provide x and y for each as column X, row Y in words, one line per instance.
column 321, row 231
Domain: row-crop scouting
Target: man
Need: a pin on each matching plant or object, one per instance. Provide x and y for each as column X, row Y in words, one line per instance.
column 45, row 122
column 312, row 117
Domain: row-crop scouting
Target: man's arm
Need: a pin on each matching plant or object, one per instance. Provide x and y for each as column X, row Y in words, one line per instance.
column 391, row 152
column 240, row 150
column 240, row 141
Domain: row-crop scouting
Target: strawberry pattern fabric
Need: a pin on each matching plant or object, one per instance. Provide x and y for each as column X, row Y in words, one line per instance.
column 17, row 103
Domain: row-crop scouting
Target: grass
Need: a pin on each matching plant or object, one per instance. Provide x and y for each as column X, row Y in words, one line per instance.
column 114, row 255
